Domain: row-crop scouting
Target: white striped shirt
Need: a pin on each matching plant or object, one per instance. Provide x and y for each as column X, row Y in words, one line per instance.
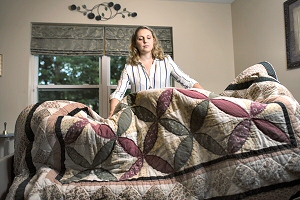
column 160, row 77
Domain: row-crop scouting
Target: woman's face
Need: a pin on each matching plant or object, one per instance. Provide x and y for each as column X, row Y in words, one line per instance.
column 144, row 41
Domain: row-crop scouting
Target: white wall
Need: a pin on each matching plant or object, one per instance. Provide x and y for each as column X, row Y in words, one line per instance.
column 259, row 35
column 203, row 43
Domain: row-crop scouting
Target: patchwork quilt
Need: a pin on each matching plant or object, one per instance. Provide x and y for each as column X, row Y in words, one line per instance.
column 169, row 143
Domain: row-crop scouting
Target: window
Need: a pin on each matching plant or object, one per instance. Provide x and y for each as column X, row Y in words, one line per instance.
column 74, row 78
column 82, row 62
column 79, row 78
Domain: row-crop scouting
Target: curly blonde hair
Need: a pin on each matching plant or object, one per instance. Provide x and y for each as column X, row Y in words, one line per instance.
column 134, row 56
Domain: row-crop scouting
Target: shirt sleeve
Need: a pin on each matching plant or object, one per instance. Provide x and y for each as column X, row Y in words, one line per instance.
column 122, row 86
column 185, row 80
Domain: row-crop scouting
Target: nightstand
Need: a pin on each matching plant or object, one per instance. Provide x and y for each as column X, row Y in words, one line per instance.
column 7, row 136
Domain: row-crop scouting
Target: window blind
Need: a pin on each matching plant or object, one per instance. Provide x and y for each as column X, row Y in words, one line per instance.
column 62, row 39
column 78, row 39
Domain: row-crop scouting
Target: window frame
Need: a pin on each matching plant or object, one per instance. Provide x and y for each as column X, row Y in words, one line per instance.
column 104, row 85
column 36, row 86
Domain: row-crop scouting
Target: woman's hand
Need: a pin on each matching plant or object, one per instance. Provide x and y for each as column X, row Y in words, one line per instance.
column 197, row 85
column 113, row 104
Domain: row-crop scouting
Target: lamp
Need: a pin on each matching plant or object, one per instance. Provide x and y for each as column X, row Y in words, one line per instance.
column 110, row 8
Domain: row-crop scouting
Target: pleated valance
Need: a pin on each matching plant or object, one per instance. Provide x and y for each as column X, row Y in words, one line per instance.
column 78, row 39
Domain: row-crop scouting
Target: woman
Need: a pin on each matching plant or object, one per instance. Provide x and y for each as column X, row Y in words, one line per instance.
column 148, row 67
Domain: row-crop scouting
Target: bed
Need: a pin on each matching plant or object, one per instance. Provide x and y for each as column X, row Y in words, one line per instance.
column 170, row 143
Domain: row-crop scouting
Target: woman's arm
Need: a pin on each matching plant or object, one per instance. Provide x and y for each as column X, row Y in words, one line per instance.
column 181, row 77
column 120, row 91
